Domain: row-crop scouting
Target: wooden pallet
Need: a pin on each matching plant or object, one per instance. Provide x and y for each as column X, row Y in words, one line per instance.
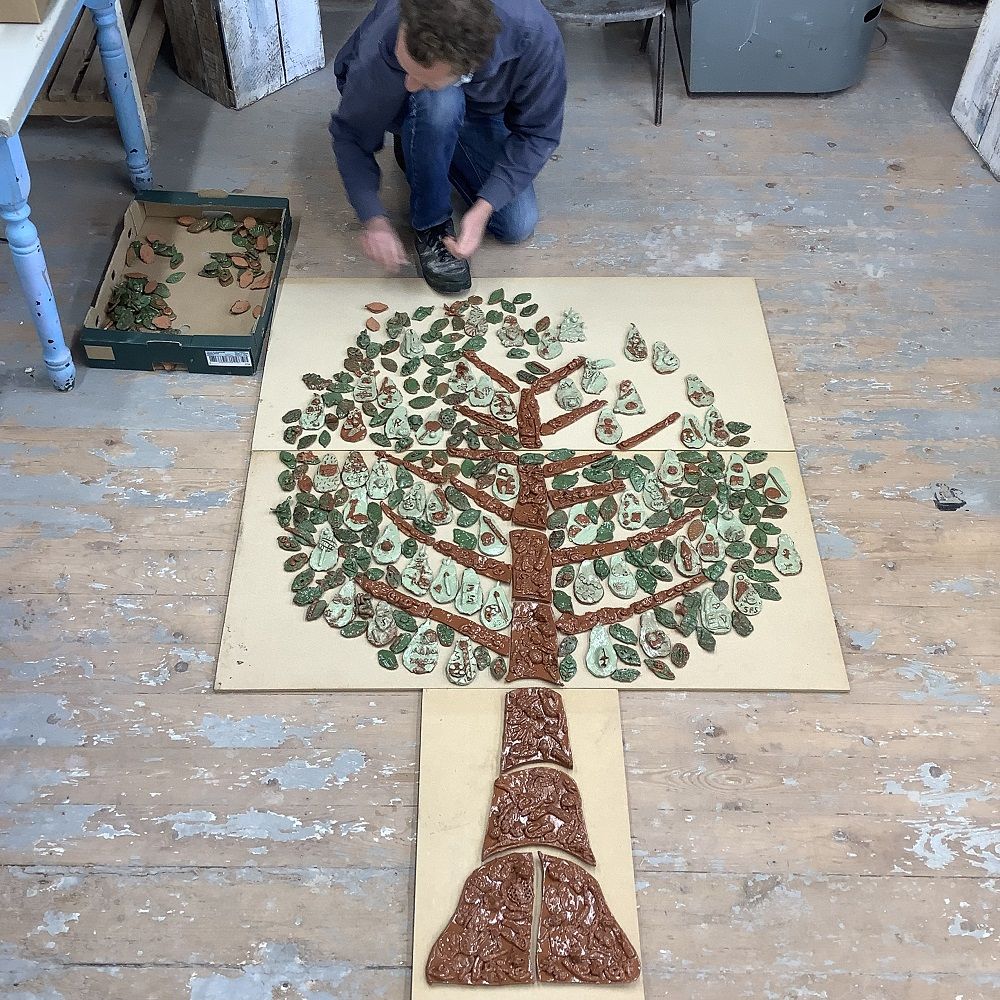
column 75, row 86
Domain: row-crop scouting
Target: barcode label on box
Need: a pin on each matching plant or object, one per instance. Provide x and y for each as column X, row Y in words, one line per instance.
column 228, row 359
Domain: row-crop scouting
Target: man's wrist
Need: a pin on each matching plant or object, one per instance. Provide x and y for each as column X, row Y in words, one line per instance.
column 481, row 207
column 376, row 222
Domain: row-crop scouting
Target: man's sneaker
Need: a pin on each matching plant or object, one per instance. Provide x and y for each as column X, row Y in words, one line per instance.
column 442, row 270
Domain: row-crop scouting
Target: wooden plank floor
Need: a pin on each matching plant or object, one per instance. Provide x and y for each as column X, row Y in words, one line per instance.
column 160, row 841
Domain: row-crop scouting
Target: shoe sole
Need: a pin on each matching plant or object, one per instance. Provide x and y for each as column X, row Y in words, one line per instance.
column 441, row 287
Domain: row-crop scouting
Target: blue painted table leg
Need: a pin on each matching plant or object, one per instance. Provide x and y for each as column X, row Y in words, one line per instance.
column 119, row 77
column 29, row 261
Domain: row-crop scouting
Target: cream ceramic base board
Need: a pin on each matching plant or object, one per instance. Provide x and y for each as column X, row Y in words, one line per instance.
column 460, row 734
column 268, row 645
column 714, row 325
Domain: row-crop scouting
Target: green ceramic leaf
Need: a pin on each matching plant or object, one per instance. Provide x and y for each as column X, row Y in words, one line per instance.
column 315, row 610
column 623, row 634
column 567, row 669
column 562, row 601
column 660, row 669
column 715, row 570
column 664, row 617
column 568, row 645
column 624, row 675
column 402, row 641
column 565, row 482
column 741, row 624
column 404, row 620
column 464, row 539
column 627, row 655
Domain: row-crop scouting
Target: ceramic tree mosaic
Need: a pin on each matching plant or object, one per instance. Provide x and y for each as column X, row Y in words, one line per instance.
column 421, row 512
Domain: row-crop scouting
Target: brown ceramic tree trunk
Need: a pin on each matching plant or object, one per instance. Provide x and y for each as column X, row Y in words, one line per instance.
column 533, row 628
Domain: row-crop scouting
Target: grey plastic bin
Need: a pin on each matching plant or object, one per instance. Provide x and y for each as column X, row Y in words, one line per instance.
column 773, row 46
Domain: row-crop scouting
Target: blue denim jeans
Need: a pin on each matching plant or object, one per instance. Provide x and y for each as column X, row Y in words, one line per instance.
column 445, row 146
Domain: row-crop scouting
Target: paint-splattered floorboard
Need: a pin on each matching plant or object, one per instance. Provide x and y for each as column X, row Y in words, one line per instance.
column 160, row 841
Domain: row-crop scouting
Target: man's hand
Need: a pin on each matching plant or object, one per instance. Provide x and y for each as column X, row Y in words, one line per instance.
column 470, row 234
column 381, row 244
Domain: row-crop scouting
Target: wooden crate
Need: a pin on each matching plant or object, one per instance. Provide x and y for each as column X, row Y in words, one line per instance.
column 238, row 51
column 75, row 86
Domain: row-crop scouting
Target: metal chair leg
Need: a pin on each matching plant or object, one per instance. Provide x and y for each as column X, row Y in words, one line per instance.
column 645, row 35
column 660, row 66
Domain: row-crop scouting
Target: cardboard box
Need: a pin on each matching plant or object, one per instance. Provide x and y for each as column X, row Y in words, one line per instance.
column 206, row 337
column 24, row 11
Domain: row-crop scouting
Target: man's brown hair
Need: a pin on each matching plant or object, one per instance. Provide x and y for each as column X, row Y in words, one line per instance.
column 459, row 33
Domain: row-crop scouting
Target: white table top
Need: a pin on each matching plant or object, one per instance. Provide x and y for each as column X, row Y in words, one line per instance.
column 27, row 51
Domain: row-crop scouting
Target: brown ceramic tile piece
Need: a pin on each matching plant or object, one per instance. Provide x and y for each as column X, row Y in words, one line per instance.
column 647, row 433
column 532, row 506
column 531, row 562
column 488, row 938
column 529, row 421
column 239, row 307
column 579, row 940
column 501, row 379
column 534, row 729
column 569, row 498
column 538, row 805
column 565, row 419
column 376, row 307
column 533, row 643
